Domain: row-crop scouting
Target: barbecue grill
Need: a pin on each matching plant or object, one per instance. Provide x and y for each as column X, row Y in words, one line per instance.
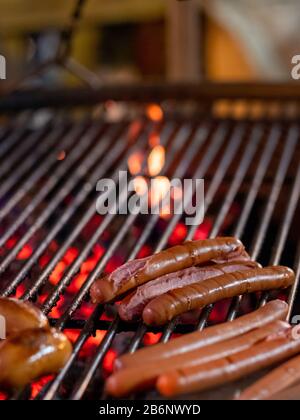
column 244, row 140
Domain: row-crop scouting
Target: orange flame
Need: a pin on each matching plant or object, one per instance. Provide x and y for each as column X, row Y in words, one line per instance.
column 135, row 161
column 156, row 160
column 154, row 112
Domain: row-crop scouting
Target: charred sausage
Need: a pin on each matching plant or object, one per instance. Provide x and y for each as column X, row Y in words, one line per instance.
column 31, row 354
column 276, row 381
column 137, row 272
column 20, row 316
column 131, row 307
column 272, row 311
column 167, row 306
column 209, row 375
column 133, row 379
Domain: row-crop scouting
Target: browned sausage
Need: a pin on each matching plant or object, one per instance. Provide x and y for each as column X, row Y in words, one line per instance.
column 131, row 308
column 274, row 310
column 137, row 272
column 209, row 375
column 21, row 316
column 133, row 379
column 31, row 354
column 276, row 381
column 165, row 307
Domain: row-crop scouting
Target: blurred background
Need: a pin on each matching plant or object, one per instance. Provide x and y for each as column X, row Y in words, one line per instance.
column 134, row 40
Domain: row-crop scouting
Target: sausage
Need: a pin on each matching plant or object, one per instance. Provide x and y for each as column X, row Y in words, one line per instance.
column 131, row 308
column 276, row 381
column 133, row 379
column 31, row 354
column 167, row 306
column 137, row 272
column 20, row 316
column 272, row 311
column 227, row 369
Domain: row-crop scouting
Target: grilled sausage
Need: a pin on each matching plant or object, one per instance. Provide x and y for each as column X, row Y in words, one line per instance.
column 167, row 306
column 272, row 311
column 31, row 354
column 133, row 379
column 137, row 272
column 21, row 316
column 131, row 307
column 210, row 375
column 276, row 381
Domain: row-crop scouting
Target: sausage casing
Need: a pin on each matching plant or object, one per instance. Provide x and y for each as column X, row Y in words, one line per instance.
column 128, row 380
column 20, row 316
column 272, row 311
column 167, row 306
column 276, row 381
column 209, row 375
column 131, row 307
column 137, row 272
column 31, row 354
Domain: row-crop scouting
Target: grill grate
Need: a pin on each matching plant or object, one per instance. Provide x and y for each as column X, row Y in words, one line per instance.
column 48, row 205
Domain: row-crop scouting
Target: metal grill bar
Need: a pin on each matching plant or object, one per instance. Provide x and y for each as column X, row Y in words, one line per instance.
column 45, row 166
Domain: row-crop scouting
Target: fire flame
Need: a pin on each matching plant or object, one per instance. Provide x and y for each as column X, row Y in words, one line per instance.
column 135, row 162
column 154, row 112
column 156, row 160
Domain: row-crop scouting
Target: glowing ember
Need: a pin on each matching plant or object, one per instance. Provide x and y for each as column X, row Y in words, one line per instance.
column 203, row 230
column 57, row 310
column 37, row 387
column 25, row 252
column 154, row 112
column 145, row 251
column 140, row 185
column 20, row 291
column 44, row 260
column 151, row 338
column 98, row 251
column 92, row 343
column 77, row 283
column 88, row 265
column 178, row 234
column 109, row 360
column 61, row 155
column 135, row 161
column 57, row 273
column 3, row 396
column 156, row 160
column 11, row 242
column 72, row 335
column 70, row 255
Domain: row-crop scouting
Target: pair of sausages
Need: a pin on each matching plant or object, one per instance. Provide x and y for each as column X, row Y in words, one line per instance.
column 31, row 354
column 131, row 308
column 206, row 376
column 272, row 311
column 32, row 348
column 140, row 271
column 276, row 381
column 175, row 302
column 132, row 379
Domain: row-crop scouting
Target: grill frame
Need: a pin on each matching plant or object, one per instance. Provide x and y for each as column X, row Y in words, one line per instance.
column 218, row 137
